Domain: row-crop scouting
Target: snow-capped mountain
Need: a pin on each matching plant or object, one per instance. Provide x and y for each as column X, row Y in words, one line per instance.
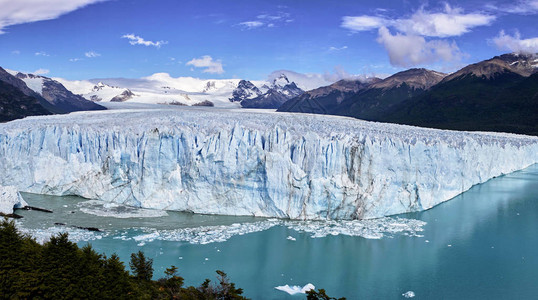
column 280, row 91
column 161, row 88
column 245, row 90
column 55, row 93
column 17, row 100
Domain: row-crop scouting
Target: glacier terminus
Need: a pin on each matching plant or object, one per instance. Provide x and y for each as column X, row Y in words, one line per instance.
column 237, row 162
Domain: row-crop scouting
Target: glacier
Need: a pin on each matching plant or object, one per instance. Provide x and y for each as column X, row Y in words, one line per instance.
column 237, row 162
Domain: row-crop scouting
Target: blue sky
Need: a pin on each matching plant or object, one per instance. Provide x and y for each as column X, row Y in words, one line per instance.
column 83, row 39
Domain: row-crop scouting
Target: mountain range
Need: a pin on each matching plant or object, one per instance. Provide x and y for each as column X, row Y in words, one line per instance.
column 499, row 94
column 24, row 95
column 161, row 88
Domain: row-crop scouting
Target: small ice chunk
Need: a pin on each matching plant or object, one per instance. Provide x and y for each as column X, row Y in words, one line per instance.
column 291, row 238
column 295, row 289
column 409, row 294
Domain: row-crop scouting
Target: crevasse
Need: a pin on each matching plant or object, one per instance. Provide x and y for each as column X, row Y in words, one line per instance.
column 237, row 162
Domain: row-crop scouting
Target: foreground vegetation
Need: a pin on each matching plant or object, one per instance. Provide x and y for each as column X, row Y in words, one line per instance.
column 59, row 269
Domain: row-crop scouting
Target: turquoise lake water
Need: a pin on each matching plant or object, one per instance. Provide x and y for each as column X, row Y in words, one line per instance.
column 482, row 244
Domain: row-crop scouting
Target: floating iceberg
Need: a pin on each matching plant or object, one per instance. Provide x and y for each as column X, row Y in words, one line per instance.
column 409, row 294
column 295, row 289
column 236, row 162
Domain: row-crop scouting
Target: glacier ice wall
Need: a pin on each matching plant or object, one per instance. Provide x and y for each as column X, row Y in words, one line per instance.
column 238, row 162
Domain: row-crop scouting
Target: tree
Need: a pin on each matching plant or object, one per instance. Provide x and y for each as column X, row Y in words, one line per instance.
column 172, row 283
column 320, row 295
column 141, row 266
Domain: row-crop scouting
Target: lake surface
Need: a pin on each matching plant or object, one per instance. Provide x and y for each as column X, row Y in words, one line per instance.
column 482, row 244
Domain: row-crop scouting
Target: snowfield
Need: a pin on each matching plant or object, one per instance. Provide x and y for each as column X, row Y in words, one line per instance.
column 237, row 162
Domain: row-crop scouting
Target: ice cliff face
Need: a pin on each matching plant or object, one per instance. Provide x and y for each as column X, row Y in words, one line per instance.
column 10, row 198
column 250, row 163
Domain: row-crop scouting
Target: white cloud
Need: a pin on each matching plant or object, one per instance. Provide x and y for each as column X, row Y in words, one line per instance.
column 75, row 59
column 41, row 72
column 136, row 40
column 515, row 43
column 276, row 17
column 209, row 65
column 91, row 54
column 41, row 53
column 363, row 23
column 337, row 49
column 251, row 24
column 267, row 20
column 16, row 52
column 449, row 22
column 409, row 46
column 410, row 50
column 269, row 17
column 15, row 12
column 523, row 7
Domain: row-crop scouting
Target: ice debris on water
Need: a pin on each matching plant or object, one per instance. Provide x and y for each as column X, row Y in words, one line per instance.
column 42, row 235
column 370, row 229
column 204, row 234
column 115, row 210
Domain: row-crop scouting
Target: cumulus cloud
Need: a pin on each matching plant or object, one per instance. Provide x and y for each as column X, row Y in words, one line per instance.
column 410, row 50
column 15, row 12
column 209, row 65
column 91, row 54
column 515, row 43
column 41, row 72
column 41, row 53
column 419, row 37
column 137, row 40
column 449, row 22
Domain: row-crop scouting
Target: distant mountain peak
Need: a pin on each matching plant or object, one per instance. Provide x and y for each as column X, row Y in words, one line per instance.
column 417, row 78
column 521, row 64
column 281, row 81
column 245, row 90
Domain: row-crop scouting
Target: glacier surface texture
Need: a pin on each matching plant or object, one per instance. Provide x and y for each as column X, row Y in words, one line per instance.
column 238, row 162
